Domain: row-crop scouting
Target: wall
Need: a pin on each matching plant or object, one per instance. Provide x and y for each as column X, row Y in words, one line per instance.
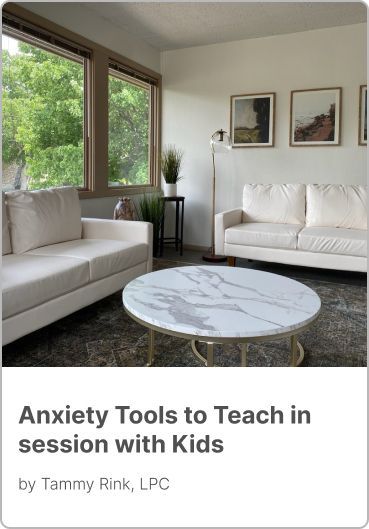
column 103, row 207
column 85, row 22
column 198, row 82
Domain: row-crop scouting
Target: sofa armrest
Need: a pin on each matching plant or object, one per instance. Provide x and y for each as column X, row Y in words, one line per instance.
column 120, row 230
column 225, row 220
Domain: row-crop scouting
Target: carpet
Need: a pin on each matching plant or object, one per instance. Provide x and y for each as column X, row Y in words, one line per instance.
column 103, row 335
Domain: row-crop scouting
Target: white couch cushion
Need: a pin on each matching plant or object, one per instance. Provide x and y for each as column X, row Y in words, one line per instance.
column 342, row 241
column 105, row 257
column 279, row 203
column 336, row 205
column 38, row 218
column 263, row 234
column 6, row 246
column 29, row 280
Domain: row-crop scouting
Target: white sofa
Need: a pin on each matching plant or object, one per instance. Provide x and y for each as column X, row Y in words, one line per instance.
column 55, row 263
column 320, row 225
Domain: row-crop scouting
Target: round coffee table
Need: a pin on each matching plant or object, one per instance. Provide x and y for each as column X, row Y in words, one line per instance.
column 218, row 304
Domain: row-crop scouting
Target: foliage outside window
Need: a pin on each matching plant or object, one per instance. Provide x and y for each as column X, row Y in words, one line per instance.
column 129, row 132
column 43, row 117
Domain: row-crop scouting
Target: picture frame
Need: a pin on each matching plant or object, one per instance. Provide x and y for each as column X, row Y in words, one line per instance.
column 252, row 120
column 315, row 117
column 363, row 98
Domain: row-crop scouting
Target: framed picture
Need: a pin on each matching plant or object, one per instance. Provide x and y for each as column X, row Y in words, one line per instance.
column 252, row 120
column 315, row 117
column 362, row 115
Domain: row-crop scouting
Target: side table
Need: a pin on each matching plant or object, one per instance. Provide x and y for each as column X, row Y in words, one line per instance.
column 178, row 238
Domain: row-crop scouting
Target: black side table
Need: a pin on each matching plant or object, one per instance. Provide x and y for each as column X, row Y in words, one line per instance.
column 177, row 240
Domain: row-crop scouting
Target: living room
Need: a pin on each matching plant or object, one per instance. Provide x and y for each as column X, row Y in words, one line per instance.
column 198, row 65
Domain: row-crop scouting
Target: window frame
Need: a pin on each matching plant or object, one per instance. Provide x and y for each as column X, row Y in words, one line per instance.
column 96, row 107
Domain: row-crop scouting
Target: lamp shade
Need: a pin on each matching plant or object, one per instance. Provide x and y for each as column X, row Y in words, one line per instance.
column 220, row 141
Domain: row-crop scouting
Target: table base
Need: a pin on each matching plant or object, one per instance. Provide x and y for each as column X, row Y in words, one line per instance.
column 295, row 345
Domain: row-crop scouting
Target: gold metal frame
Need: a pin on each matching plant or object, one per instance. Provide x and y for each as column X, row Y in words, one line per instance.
column 209, row 361
column 295, row 345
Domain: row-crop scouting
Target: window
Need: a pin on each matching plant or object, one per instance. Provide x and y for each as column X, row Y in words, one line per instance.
column 44, row 114
column 75, row 113
column 130, row 128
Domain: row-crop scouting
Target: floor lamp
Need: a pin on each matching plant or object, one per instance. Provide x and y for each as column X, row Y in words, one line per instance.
column 220, row 142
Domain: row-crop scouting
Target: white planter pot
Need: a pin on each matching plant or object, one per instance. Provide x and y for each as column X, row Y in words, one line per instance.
column 170, row 190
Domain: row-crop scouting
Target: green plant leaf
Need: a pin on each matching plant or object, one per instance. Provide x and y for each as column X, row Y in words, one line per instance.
column 171, row 161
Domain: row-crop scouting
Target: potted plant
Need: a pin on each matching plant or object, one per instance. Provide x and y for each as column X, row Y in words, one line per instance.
column 171, row 160
column 151, row 209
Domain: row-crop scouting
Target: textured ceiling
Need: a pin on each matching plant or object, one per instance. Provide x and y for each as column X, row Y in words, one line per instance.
column 171, row 25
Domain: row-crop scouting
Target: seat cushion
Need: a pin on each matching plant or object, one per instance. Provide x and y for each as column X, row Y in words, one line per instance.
column 104, row 257
column 340, row 241
column 29, row 280
column 336, row 205
column 278, row 203
column 6, row 246
column 263, row 234
column 38, row 218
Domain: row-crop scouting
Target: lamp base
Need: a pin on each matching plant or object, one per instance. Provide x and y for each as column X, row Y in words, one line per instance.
column 213, row 258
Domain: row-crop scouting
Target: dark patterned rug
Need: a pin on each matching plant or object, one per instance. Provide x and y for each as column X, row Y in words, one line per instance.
column 104, row 335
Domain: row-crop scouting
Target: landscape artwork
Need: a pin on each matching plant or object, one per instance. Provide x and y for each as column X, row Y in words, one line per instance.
column 363, row 116
column 252, row 120
column 315, row 117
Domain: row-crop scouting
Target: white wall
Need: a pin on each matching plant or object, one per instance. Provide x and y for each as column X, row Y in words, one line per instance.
column 103, row 208
column 85, row 22
column 197, row 85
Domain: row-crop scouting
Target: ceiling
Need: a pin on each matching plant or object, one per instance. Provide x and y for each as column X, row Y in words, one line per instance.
column 167, row 26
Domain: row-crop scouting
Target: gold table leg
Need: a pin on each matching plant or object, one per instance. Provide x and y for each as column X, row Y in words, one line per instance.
column 210, row 355
column 296, row 346
column 197, row 352
column 297, row 353
column 150, row 354
column 244, row 347
column 293, row 351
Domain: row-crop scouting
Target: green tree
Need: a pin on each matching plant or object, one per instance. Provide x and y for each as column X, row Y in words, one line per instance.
column 13, row 151
column 129, row 107
column 43, row 117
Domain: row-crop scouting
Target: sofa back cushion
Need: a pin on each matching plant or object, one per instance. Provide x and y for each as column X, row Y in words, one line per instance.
column 39, row 218
column 336, row 205
column 278, row 203
column 6, row 246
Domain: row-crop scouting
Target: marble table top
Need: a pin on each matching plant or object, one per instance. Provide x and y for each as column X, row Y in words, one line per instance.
column 220, row 301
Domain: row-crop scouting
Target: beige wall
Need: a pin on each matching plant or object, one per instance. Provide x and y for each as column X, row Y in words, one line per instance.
column 197, row 84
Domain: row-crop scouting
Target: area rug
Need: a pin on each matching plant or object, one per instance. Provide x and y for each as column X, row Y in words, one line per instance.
column 103, row 335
